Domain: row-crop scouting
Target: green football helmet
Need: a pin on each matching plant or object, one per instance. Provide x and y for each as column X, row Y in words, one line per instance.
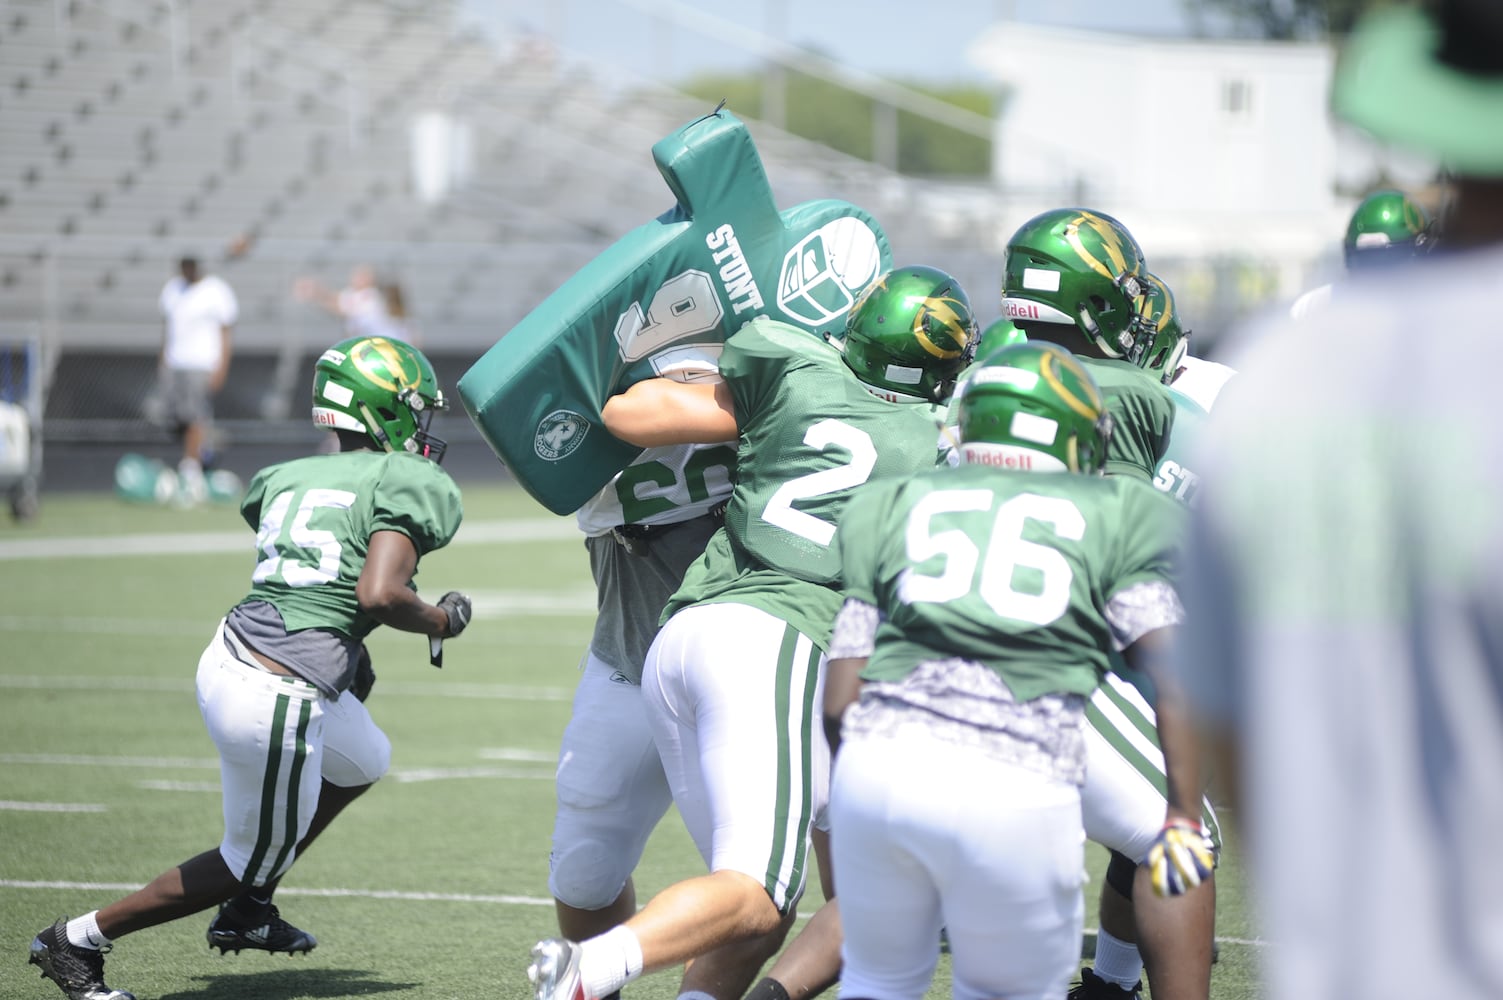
column 383, row 388
column 1078, row 267
column 1388, row 227
column 1034, row 407
column 909, row 335
column 1170, row 341
column 1002, row 333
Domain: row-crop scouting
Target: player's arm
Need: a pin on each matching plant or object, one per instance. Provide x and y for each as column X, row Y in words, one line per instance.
column 662, row 411
column 1181, row 856
column 1177, row 736
column 384, row 592
column 842, row 690
column 855, row 636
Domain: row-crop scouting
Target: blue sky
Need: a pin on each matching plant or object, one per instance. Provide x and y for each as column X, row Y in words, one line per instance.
column 878, row 36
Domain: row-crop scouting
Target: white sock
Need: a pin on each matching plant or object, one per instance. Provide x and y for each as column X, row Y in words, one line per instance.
column 610, row 961
column 1117, row 961
column 84, row 932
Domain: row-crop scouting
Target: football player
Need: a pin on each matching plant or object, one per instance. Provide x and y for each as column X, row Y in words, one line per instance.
column 1168, row 358
column 732, row 680
column 643, row 530
column 1387, row 227
column 1078, row 278
column 338, row 539
column 981, row 606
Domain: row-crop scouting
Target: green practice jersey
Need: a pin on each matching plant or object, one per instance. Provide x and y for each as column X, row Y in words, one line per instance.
column 1173, row 475
column 1142, row 411
column 1016, row 570
column 314, row 518
column 810, row 434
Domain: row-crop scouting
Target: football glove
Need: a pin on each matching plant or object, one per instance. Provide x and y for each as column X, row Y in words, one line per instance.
column 365, row 677
column 1182, row 857
column 457, row 607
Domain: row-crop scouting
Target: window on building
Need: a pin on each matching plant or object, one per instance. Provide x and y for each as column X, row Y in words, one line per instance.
column 1236, row 98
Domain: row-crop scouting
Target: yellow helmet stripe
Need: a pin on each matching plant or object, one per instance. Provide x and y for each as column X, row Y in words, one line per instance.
column 1091, row 407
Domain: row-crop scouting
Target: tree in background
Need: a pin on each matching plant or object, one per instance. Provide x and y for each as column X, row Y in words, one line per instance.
column 1282, row 20
column 842, row 119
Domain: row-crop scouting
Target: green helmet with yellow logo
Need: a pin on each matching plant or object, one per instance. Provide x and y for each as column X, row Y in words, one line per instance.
column 1034, row 407
column 1171, row 341
column 910, row 334
column 1083, row 268
column 382, row 388
column 1387, row 227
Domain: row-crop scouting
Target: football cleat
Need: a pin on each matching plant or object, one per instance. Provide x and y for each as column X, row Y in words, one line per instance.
column 269, row 932
column 78, row 972
column 554, row 971
column 1093, row 987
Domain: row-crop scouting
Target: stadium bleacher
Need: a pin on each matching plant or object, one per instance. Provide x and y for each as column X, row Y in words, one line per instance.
column 133, row 131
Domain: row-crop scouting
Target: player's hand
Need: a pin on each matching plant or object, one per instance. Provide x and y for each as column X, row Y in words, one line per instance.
column 365, row 676
column 1182, row 857
column 457, row 607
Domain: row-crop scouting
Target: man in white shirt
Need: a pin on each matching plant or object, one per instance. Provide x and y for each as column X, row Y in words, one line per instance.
column 200, row 312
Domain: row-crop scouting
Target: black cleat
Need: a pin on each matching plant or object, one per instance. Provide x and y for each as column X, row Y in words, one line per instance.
column 78, row 972
column 269, row 932
column 1093, row 987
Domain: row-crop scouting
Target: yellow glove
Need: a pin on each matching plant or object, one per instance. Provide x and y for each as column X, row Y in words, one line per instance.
column 1181, row 857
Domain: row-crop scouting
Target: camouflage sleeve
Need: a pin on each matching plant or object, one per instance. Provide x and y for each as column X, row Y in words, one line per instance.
column 1136, row 610
column 417, row 498
column 855, row 633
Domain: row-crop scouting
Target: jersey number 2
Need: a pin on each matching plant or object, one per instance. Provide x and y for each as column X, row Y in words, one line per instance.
column 822, row 436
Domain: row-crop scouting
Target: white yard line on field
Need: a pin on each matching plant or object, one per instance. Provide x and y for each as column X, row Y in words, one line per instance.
column 400, row 774
column 51, row 807
column 522, row 530
column 161, row 685
column 285, row 890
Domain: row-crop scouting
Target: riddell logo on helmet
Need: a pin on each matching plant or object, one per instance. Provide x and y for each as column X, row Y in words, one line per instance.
column 999, row 459
column 1020, row 310
column 324, row 418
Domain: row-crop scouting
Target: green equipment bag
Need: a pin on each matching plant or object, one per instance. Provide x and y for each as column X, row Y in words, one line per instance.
column 661, row 301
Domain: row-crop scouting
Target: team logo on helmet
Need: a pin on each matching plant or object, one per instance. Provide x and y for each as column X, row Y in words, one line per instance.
column 1091, row 407
column 1120, row 259
column 559, row 435
column 943, row 314
column 385, row 366
column 823, row 273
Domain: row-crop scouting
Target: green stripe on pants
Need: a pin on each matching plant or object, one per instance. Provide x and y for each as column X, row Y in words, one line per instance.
column 269, row 790
column 294, row 784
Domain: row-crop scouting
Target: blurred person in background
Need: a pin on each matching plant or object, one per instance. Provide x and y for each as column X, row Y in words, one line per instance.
column 1344, row 637
column 199, row 311
column 364, row 305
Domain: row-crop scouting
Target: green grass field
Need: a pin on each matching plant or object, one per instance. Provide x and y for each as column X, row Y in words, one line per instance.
column 434, row 885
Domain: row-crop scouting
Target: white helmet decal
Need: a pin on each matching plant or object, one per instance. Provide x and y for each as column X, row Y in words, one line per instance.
column 825, row 272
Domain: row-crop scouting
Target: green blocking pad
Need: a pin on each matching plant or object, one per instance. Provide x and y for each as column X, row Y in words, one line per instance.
column 661, row 301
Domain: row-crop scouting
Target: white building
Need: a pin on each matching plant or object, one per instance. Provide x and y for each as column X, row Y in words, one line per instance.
column 1204, row 149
